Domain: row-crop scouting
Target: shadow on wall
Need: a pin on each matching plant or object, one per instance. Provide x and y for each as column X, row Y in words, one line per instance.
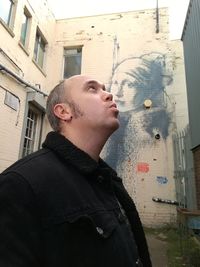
column 134, row 80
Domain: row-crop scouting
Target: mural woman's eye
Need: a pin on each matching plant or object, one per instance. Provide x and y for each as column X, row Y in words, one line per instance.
column 131, row 84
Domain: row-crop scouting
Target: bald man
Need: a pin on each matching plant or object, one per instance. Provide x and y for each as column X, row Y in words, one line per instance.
column 63, row 206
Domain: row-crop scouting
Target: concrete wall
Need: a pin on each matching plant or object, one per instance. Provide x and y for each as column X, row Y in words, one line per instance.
column 136, row 63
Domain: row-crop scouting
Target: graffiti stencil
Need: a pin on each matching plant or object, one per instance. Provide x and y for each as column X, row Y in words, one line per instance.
column 162, row 179
column 134, row 80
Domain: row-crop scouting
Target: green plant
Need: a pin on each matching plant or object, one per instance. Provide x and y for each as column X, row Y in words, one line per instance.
column 183, row 250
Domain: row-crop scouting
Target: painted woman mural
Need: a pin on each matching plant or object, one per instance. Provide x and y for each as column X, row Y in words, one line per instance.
column 135, row 80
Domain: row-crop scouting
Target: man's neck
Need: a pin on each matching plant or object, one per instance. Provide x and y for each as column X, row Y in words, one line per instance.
column 91, row 143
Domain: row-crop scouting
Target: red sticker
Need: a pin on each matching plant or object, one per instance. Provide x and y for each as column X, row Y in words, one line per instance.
column 142, row 167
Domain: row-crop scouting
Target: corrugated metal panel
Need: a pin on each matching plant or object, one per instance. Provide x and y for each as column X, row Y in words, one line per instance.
column 191, row 44
column 184, row 170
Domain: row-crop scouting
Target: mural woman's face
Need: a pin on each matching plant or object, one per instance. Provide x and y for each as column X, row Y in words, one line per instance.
column 137, row 79
column 124, row 83
column 123, row 90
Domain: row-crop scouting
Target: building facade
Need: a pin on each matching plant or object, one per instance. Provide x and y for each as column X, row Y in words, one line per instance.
column 132, row 54
column 26, row 32
column 191, row 38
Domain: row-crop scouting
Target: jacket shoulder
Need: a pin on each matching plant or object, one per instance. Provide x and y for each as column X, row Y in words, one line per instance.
column 38, row 168
column 27, row 161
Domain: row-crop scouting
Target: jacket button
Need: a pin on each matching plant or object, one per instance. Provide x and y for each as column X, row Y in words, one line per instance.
column 139, row 263
column 99, row 230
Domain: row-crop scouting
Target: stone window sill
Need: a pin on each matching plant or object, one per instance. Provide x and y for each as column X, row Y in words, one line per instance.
column 36, row 64
column 23, row 48
column 7, row 28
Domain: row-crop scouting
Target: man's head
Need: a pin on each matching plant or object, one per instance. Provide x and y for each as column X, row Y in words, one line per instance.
column 60, row 96
column 56, row 96
column 82, row 103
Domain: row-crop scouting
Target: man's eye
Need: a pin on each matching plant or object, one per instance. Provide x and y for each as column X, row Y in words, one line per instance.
column 92, row 88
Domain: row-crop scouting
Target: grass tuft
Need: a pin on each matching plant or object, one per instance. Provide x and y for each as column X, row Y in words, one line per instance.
column 183, row 247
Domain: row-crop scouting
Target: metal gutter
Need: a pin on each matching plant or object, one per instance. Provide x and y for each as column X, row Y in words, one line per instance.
column 19, row 79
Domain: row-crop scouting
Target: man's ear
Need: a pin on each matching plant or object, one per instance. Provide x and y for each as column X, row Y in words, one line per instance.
column 62, row 111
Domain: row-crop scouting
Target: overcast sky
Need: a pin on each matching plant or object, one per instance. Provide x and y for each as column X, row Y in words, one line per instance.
column 78, row 8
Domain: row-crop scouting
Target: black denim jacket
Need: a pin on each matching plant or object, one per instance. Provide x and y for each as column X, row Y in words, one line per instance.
column 58, row 207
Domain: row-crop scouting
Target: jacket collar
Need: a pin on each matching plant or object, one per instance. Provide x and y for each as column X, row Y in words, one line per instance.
column 75, row 156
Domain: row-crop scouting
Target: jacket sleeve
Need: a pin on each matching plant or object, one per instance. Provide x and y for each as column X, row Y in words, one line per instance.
column 19, row 226
column 135, row 222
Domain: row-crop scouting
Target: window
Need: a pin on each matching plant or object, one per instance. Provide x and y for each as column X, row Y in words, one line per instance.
column 72, row 62
column 32, row 132
column 6, row 7
column 25, row 27
column 39, row 49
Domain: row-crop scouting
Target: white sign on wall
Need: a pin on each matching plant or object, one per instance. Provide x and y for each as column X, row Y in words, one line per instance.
column 11, row 100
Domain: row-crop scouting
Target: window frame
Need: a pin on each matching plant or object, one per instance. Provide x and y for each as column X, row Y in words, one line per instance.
column 28, row 16
column 33, row 138
column 36, row 55
column 72, row 55
column 9, row 25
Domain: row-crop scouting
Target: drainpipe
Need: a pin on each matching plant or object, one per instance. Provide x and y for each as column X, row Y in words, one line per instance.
column 19, row 79
column 157, row 17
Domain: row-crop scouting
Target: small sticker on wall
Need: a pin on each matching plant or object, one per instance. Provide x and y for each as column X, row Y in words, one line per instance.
column 143, row 167
column 162, row 179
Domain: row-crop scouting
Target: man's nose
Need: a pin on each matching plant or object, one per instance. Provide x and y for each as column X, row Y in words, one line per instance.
column 107, row 96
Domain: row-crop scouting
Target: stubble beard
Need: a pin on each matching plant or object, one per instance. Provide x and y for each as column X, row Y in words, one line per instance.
column 76, row 110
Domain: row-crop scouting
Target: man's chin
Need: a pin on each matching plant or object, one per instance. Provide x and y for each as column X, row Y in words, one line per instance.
column 115, row 125
column 112, row 126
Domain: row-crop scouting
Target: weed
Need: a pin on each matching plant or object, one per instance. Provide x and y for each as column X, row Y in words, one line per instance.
column 183, row 249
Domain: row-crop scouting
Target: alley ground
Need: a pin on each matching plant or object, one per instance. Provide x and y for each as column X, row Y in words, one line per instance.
column 173, row 247
column 158, row 249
